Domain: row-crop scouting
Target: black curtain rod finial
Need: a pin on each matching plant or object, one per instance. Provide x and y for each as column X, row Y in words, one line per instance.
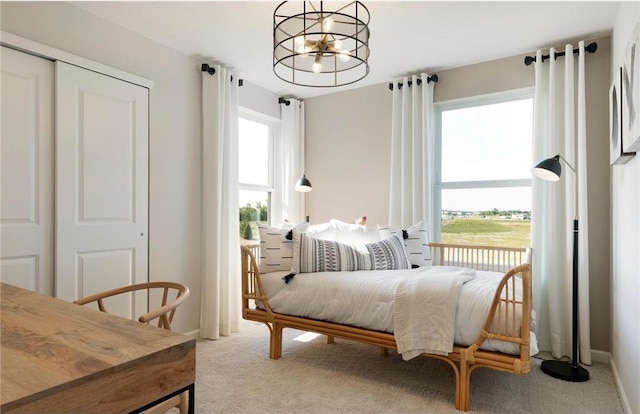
column 591, row 47
column 281, row 100
column 209, row 69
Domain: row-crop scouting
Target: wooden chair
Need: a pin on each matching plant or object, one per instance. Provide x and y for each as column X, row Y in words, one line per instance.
column 173, row 294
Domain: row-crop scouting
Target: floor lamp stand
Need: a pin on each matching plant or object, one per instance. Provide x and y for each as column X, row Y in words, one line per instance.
column 565, row 370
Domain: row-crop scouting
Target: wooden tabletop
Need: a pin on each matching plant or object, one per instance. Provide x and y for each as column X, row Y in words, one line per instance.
column 57, row 356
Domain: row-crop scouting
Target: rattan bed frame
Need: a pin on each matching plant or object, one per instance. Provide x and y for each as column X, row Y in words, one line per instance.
column 515, row 262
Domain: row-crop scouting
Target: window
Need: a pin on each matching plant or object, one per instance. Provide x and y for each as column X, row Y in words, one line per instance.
column 255, row 148
column 483, row 179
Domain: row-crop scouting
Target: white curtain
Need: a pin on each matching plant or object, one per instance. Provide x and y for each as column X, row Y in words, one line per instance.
column 412, row 153
column 560, row 128
column 220, row 311
column 287, row 204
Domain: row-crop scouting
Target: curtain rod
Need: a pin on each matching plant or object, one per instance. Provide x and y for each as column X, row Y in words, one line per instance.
column 212, row 71
column 590, row 48
column 433, row 78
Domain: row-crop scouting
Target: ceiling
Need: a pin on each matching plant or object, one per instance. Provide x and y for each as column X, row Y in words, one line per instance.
column 407, row 37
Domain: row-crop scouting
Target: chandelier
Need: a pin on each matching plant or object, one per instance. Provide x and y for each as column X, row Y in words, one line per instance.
column 316, row 47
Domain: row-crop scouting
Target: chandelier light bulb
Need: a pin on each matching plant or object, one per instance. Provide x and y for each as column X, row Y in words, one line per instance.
column 317, row 64
column 302, row 51
column 299, row 41
column 337, row 44
column 344, row 55
column 327, row 24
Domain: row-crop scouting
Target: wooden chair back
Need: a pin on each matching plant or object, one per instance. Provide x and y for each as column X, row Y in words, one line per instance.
column 173, row 294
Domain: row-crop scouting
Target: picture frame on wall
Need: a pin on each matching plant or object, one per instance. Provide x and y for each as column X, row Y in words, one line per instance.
column 631, row 93
column 617, row 154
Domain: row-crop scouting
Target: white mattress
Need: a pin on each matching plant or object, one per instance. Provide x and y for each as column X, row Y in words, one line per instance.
column 365, row 299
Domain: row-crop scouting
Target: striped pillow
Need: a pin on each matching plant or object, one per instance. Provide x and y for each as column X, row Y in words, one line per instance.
column 315, row 255
column 416, row 242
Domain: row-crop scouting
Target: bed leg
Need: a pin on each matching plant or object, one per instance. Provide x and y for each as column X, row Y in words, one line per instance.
column 384, row 351
column 331, row 339
column 462, row 402
column 275, row 348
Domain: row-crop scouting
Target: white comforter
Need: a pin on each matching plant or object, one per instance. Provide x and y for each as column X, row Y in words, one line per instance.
column 365, row 299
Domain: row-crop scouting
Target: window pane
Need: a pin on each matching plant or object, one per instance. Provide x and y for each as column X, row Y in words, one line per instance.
column 254, row 208
column 253, row 140
column 488, row 142
column 487, row 216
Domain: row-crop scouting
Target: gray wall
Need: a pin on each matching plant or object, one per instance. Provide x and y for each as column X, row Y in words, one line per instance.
column 347, row 147
column 625, row 241
column 348, row 142
column 174, row 128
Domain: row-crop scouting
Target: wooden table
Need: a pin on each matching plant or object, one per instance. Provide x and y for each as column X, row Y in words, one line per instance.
column 61, row 357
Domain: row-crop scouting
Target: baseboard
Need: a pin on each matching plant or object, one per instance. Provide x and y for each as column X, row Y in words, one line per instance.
column 621, row 393
column 193, row 334
column 603, row 356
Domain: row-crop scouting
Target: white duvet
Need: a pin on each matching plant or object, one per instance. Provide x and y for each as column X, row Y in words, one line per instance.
column 365, row 299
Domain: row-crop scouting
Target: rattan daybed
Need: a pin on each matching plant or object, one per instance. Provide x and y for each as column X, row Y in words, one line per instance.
column 500, row 325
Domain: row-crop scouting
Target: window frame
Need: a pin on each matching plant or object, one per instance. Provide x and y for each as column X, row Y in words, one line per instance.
column 270, row 187
column 439, row 185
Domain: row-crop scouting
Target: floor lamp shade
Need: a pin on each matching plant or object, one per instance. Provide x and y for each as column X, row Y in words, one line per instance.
column 550, row 170
column 303, row 185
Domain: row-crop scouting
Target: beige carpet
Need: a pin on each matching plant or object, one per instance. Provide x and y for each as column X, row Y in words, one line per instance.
column 235, row 375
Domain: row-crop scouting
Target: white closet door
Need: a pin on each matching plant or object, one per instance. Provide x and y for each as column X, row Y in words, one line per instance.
column 26, row 168
column 102, row 185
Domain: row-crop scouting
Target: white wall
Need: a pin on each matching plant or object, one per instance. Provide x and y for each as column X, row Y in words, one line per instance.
column 348, row 142
column 174, row 128
column 625, row 241
column 259, row 100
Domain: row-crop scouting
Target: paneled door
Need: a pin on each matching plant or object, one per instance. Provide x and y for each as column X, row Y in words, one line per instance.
column 26, row 170
column 101, row 185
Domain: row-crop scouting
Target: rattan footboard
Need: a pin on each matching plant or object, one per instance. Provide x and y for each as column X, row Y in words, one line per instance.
column 499, row 323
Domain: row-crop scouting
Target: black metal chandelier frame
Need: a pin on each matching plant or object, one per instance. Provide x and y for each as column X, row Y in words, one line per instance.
column 320, row 48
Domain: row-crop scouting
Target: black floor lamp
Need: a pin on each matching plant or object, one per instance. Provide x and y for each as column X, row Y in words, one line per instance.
column 550, row 170
column 303, row 185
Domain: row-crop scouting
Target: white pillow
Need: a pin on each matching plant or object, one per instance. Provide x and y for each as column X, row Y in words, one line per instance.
column 324, row 231
column 315, row 255
column 276, row 251
column 416, row 244
column 354, row 233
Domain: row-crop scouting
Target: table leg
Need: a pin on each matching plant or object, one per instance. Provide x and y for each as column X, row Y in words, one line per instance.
column 192, row 399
